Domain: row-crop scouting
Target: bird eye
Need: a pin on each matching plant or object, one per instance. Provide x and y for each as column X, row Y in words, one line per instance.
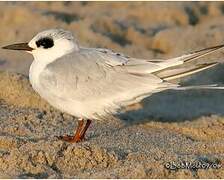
column 45, row 43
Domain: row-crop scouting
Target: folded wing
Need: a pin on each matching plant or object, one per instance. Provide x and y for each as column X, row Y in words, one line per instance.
column 161, row 68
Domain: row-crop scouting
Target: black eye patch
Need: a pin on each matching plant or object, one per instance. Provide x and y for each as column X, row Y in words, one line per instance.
column 45, row 42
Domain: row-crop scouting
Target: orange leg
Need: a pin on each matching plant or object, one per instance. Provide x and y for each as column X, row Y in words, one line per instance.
column 79, row 134
column 82, row 134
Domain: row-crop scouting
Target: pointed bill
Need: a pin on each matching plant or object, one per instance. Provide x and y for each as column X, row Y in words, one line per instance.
column 19, row 46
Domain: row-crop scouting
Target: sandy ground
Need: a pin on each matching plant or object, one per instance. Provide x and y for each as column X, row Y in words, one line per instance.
column 171, row 126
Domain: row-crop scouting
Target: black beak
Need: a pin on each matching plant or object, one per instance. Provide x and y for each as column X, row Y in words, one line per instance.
column 19, row 46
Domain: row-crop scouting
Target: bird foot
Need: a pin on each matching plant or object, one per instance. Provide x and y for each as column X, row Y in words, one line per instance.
column 80, row 133
column 71, row 139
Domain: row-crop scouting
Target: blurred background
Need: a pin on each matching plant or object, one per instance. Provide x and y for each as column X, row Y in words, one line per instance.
column 140, row 29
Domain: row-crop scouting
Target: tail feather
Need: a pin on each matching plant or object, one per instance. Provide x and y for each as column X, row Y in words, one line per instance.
column 178, row 61
column 198, row 68
column 167, row 67
column 203, row 52
column 173, row 68
column 209, row 86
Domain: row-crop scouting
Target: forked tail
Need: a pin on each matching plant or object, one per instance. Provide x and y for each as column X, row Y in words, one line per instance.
column 174, row 67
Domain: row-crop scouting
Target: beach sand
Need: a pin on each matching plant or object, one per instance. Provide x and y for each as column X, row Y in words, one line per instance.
column 165, row 129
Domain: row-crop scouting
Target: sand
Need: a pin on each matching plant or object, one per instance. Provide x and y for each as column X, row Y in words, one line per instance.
column 171, row 126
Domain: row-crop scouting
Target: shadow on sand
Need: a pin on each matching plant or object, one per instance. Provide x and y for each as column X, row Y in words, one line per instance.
column 179, row 106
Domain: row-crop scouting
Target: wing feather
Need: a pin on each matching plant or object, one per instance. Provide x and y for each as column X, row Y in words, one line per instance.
column 143, row 66
column 85, row 77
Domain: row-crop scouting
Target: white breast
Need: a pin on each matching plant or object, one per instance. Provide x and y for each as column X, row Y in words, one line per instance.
column 35, row 69
column 75, row 108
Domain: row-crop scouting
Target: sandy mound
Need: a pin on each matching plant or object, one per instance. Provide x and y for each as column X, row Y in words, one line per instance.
column 183, row 126
column 114, row 149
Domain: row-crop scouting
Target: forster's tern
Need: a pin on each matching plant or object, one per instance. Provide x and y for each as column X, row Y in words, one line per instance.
column 89, row 83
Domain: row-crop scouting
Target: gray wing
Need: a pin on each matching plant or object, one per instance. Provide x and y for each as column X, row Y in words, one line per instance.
column 90, row 75
column 143, row 66
column 132, row 65
column 102, row 74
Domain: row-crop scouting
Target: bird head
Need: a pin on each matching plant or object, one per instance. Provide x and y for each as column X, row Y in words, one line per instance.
column 52, row 43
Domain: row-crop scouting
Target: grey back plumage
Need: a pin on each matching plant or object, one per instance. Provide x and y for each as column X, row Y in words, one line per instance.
column 90, row 75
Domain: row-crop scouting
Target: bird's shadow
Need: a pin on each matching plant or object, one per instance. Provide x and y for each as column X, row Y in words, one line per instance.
column 179, row 106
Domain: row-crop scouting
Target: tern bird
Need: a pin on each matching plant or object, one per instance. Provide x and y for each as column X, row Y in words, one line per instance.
column 90, row 83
